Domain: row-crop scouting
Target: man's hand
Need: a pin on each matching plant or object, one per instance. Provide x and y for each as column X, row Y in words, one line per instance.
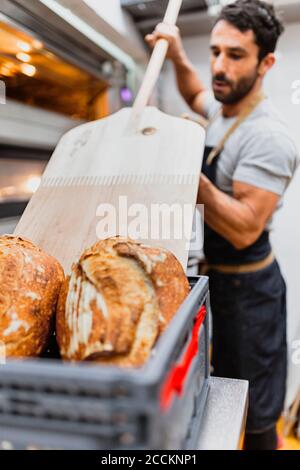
column 176, row 51
column 240, row 219
column 189, row 85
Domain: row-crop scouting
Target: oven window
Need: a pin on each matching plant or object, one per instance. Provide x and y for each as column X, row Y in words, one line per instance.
column 35, row 76
column 19, row 179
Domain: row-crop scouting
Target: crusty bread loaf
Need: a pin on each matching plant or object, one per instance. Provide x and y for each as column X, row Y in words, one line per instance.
column 120, row 296
column 30, row 282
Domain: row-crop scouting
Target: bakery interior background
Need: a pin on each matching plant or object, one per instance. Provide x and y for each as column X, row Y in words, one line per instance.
column 53, row 84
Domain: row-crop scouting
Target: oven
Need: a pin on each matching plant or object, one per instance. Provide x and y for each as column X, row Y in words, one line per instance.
column 52, row 78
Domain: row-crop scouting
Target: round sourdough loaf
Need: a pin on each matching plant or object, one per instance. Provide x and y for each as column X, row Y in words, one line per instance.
column 30, row 282
column 119, row 298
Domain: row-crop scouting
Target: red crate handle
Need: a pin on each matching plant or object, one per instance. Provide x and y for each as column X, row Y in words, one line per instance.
column 175, row 380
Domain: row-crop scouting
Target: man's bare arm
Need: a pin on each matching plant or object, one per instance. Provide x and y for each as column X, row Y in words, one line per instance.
column 239, row 219
column 189, row 84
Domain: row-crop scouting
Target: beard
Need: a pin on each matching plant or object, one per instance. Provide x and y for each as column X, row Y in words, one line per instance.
column 237, row 90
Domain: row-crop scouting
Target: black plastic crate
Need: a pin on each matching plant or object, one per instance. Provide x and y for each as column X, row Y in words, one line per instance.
column 46, row 403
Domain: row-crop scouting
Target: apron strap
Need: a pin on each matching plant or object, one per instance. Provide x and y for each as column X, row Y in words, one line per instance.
column 241, row 118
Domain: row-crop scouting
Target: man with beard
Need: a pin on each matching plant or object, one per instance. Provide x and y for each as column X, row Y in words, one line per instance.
column 248, row 163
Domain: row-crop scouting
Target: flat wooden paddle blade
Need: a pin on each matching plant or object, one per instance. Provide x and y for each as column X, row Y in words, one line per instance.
column 104, row 179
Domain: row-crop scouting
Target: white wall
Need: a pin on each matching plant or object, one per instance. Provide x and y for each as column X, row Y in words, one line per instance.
column 286, row 236
column 112, row 13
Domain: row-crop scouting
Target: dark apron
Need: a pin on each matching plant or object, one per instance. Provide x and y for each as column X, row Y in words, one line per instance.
column 218, row 250
column 249, row 322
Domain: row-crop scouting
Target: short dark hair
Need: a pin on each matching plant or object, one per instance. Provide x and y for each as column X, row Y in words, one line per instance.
column 258, row 16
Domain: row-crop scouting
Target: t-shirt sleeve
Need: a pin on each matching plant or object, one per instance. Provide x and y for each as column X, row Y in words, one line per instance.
column 268, row 161
column 210, row 105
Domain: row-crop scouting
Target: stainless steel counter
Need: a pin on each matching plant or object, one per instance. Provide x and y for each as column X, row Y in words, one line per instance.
column 225, row 415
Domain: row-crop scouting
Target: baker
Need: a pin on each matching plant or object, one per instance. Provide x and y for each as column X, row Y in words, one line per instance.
column 249, row 162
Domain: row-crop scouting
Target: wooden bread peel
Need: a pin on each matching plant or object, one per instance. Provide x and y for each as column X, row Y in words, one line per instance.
column 138, row 155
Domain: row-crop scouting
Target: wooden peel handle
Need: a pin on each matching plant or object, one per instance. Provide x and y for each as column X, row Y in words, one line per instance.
column 155, row 65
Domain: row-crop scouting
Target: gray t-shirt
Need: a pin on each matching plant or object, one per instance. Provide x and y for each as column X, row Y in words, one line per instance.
column 260, row 152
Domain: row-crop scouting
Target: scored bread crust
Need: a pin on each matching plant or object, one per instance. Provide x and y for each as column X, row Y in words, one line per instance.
column 120, row 297
column 30, row 282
